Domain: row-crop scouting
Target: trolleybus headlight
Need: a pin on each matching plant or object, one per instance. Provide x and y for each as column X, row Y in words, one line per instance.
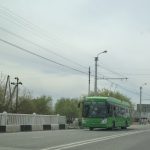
column 104, row 121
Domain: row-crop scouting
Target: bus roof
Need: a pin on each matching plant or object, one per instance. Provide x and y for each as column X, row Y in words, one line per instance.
column 108, row 99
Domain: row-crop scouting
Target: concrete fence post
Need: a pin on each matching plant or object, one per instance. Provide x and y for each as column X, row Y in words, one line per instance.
column 33, row 118
column 4, row 119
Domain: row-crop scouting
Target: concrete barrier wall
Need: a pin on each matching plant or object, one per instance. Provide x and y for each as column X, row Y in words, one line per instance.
column 13, row 128
column 30, row 122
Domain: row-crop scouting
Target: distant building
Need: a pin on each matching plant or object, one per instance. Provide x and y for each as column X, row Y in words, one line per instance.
column 144, row 108
column 145, row 111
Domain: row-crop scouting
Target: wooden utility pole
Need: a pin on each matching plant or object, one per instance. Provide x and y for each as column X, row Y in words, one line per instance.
column 17, row 90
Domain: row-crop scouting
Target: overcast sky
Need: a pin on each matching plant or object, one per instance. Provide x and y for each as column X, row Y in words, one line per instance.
column 73, row 32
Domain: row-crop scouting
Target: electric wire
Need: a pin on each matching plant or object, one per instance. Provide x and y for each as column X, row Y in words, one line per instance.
column 114, row 72
column 29, row 23
column 31, row 27
column 25, row 50
column 37, row 45
column 47, row 59
column 42, row 57
column 124, row 88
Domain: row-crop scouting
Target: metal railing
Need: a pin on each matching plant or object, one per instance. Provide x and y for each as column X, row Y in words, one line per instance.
column 30, row 119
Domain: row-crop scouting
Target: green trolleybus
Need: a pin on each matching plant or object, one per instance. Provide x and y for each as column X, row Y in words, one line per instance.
column 105, row 112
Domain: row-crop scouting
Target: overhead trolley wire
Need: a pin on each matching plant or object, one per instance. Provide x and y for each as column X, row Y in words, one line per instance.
column 124, row 88
column 114, row 72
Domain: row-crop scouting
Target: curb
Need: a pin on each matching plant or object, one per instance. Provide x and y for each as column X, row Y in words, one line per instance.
column 26, row 128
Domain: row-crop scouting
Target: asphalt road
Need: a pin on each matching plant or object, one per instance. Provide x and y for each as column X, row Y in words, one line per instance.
column 136, row 137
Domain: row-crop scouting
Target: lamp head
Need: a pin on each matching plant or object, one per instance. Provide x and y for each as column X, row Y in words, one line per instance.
column 16, row 78
column 20, row 83
column 105, row 51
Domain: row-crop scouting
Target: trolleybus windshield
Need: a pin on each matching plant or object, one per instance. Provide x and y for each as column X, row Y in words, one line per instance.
column 94, row 109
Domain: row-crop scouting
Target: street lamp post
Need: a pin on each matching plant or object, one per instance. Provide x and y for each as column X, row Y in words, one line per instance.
column 140, row 108
column 96, row 60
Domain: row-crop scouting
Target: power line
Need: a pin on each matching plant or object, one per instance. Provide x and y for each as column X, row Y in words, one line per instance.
column 47, row 59
column 21, row 21
column 24, row 21
column 104, row 78
column 42, row 57
column 148, row 74
column 124, row 88
column 3, row 29
column 31, row 29
column 37, row 44
column 114, row 72
column 107, row 79
column 146, row 99
column 25, row 50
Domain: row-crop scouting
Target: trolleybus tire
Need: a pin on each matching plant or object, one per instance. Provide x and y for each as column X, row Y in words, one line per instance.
column 113, row 125
column 126, row 125
column 91, row 128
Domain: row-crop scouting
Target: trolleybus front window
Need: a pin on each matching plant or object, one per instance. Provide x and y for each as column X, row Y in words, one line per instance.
column 94, row 109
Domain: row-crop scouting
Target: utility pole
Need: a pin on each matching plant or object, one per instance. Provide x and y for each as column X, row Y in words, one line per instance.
column 95, row 87
column 96, row 60
column 7, row 84
column 140, row 101
column 140, row 108
column 11, row 98
column 89, row 81
column 17, row 88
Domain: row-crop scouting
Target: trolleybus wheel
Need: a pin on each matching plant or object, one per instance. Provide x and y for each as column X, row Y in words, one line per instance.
column 113, row 125
column 91, row 128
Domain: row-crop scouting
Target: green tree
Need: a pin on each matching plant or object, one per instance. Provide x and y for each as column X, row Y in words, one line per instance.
column 2, row 104
column 67, row 107
column 26, row 105
column 43, row 105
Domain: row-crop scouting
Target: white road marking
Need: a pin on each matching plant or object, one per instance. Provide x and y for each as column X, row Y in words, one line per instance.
column 80, row 143
column 38, row 137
